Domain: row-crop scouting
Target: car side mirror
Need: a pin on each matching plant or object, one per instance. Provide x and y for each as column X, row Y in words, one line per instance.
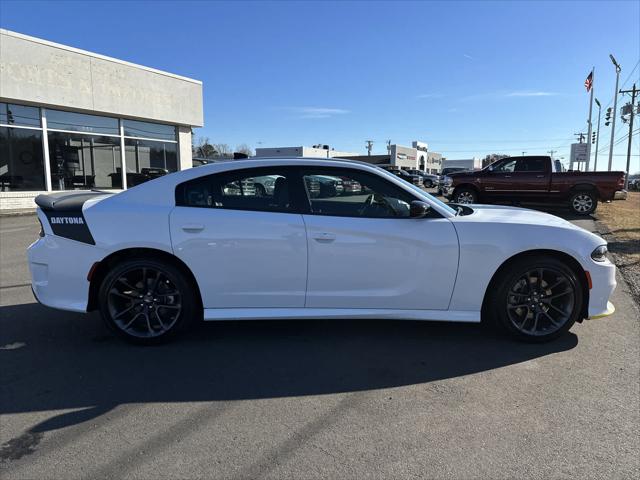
column 419, row 209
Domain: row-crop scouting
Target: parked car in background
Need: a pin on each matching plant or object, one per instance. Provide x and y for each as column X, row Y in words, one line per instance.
column 428, row 180
column 350, row 186
column 444, row 173
column 535, row 179
column 156, row 258
column 634, row 184
column 405, row 175
column 330, row 186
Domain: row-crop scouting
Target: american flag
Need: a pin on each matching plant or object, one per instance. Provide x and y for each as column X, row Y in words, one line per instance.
column 588, row 83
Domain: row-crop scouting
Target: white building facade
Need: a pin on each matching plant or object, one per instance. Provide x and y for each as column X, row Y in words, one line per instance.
column 72, row 119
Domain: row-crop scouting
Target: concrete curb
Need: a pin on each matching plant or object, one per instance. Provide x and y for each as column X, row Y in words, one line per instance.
column 16, row 213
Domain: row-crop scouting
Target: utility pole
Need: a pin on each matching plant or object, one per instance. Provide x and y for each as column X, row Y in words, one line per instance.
column 523, row 153
column 580, row 137
column 369, row 147
column 595, row 162
column 633, row 93
column 551, row 152
column 589, row 127
column 615, row 111
column 389, row 146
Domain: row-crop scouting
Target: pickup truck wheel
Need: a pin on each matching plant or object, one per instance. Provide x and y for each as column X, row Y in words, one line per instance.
column 146, row 301
column 465, row 195
column 537, row 299
column 583, row 203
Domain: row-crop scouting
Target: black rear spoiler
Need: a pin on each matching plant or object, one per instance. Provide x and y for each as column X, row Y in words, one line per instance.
column 64, row 213
column 65, row 201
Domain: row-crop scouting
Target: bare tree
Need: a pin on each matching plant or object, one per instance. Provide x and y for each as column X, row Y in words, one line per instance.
column 244, row 148
column 204, row 149
column 222, row 150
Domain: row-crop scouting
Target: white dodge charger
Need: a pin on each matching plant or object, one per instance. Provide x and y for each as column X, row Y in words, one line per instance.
column 212, row 242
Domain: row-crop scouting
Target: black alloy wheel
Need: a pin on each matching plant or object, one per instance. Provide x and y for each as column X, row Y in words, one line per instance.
column 537, row 299
column 146, row 301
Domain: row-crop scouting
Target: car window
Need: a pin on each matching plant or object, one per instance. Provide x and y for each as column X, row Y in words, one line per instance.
column 533, row 164
column 507, row 166
column 354, row 193
column 252, row 189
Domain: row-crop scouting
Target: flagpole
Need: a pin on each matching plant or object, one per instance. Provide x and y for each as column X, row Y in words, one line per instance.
column 593, row 80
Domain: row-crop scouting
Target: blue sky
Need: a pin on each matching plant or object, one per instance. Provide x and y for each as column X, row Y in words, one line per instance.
column 469, row 78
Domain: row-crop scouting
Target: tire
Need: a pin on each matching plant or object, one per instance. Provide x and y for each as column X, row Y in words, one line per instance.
column 529, row 313
column 583, row 202
column 465, row 195
column 428, row 184
column 147, row 301
column 260, row 191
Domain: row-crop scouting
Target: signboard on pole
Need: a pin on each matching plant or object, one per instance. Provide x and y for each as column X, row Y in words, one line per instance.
column 578, row 154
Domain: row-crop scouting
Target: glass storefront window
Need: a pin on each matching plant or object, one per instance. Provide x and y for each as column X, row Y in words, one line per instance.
column 11, row 114
column 84, row 161
column 21, row 159
column 134, row 128
column 147, row 160
column 81, row 122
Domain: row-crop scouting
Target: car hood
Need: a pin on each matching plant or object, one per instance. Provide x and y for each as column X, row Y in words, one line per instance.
column 514, row 215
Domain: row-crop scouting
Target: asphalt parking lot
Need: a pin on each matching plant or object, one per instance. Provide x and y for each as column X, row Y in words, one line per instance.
column 332, row 399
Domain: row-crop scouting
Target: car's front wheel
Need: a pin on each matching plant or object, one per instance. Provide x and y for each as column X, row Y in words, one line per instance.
column 536, row 299
column 146, row 301
column 465, row 195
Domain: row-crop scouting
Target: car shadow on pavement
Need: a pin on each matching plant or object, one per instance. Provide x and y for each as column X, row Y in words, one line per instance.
column 70, row 361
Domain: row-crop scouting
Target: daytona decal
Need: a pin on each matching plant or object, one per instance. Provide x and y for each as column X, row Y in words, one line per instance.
column 70, row 225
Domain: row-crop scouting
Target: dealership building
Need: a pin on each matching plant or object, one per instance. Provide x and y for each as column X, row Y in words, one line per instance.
column 72, row 119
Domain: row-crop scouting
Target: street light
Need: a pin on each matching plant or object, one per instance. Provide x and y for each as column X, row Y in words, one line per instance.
column 615, row 111
column 595, row 162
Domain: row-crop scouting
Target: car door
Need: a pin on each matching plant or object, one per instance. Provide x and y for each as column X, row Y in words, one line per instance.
column 245, row 244
column 365, row 251
column 498, row 182
column 531, row 177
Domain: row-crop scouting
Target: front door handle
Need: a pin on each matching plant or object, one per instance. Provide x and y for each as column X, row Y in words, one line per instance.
column 193, row 227
column 324, row 237
column 539, row 176
column 507, row 176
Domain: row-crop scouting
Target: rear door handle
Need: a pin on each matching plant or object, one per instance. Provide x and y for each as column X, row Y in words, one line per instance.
column 324, row 237
column 507, row 176
column 193, row 227
column 539, row 176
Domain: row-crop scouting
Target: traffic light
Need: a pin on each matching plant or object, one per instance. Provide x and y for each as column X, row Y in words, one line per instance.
column 607, row 116
column 593, row 137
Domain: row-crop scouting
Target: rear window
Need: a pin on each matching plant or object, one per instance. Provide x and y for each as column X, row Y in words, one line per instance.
column 263, row 189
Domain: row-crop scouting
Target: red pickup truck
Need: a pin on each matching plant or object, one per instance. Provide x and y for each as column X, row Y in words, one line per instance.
column 534, row 180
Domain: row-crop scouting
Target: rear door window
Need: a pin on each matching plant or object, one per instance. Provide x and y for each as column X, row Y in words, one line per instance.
column 261, row 189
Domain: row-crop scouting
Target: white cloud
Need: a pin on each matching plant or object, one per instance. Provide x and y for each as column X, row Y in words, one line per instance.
column 430, row 95
column 318, row 112
column 465, row 55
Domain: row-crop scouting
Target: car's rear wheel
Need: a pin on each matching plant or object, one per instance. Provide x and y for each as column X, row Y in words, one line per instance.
column 583, row 203
column 536, row 299
column 428, row 184
column 147, row 301
column 465, row 195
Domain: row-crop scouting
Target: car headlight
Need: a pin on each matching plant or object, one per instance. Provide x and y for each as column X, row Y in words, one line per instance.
column 447, row 181
column 599, row 254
